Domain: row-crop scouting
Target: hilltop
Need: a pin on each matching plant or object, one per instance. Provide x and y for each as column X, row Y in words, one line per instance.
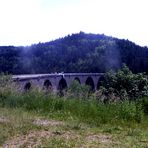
column 78, row 52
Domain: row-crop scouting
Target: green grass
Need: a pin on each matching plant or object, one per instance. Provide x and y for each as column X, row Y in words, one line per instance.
column 13, row 122
column 72, row 133
column 86, row 123
column 89, row 111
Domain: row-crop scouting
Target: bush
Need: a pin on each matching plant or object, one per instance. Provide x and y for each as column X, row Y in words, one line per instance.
column 144, row 103
column 78, row 91
column 6, row 88
column 125, row 84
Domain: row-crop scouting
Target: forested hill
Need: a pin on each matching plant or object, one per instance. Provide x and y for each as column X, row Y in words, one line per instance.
column 74, row 53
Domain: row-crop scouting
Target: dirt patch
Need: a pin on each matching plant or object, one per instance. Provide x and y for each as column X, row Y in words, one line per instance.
column 43, row 122
column 31, row 140
column 34, row 139
column 3, row 120
column 70, row 135
column 99, row 138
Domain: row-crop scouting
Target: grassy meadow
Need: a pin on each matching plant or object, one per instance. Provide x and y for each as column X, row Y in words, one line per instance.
column 37, row 119
column 79, row 119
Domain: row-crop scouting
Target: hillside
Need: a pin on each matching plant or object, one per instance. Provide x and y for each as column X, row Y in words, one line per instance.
column 79, row 52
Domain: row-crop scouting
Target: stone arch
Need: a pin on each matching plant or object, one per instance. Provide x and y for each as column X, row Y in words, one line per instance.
column 89, row 82
column 100, row 82
column 47, row 85
column 77, row 79
column 27, row 86
column 62, row 87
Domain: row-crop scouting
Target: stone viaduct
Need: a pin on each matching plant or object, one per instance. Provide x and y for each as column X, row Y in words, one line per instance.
column 57, row 81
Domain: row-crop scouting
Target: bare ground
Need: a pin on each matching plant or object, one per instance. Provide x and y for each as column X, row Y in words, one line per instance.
column 34, row 138
column 4, row 120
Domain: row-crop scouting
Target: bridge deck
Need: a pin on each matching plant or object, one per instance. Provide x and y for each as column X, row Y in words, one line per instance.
column 34, row 76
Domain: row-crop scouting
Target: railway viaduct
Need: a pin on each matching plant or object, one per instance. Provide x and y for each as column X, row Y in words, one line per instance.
column 57, row 81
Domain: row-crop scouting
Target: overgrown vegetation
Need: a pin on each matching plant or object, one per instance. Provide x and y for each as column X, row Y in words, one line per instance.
column 122, row 97
column 125, row 84
column 108, row 109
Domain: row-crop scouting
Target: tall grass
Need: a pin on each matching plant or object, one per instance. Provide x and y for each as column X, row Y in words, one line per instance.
column 86, row 110
column 90, row 111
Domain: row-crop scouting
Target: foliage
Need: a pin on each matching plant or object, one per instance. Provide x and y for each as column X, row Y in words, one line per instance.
column 79, row 52
column 144, row 103
column 86, row 110
column 120, row 123
column 125, row 85
column 82, row 106
column 89, row 111
column 6, row 87
column 76, row 90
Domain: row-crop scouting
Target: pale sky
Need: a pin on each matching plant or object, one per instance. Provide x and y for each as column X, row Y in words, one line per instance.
column 25, row 22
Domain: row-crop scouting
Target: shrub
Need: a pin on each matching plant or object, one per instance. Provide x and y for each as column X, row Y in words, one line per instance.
column 125, row 84
column 144, row 103
column 78, row 91
column 6, row 88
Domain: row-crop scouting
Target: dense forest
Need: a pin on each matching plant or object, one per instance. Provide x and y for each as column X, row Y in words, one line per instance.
column 79, row 52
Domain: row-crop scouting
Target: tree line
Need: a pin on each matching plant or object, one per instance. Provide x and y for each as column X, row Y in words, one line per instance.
column 78, row 52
